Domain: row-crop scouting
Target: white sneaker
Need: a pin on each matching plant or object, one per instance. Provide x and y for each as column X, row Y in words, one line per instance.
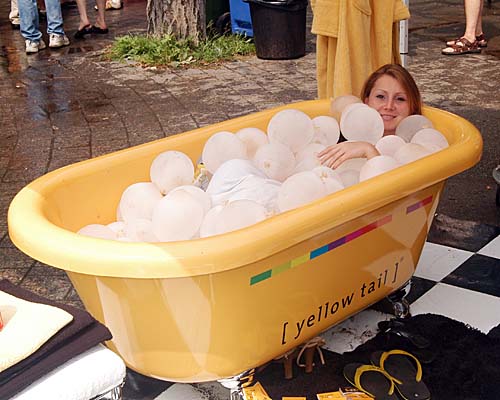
column 58, row 40
column 112, row 5
column 33, row 47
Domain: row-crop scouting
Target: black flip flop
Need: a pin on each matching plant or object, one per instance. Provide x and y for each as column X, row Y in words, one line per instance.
column 80, row 33
column 96, row 29
column 372, row 380
column 398, row 328
column 400, row 365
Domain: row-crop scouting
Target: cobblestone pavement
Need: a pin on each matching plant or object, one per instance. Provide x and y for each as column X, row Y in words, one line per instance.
column 62, row 106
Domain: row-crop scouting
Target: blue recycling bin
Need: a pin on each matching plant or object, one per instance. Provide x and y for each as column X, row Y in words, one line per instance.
column 241, row 21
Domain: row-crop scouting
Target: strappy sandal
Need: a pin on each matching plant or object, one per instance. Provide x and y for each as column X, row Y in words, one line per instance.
column 308, row 349
column 287, row 361
column 400, row 365
column 462, row 46
column 481, row 41
column 372, row 380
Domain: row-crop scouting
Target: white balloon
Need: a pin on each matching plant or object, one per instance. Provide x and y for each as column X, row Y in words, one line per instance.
column 330, row 178
column 310, row 151
column 198, row 194
column 170, row 169
column 351, row 164
column 253, row 138
column 307, row 164
column 352, row 106
column 300, row 189
column 140, row 230
column 208, row 226
column 349, row 171
column 339, row 103
column 360, row 122
column 239, row 214
column 292, row 128
column 411, row 125
column 177, row 216
column 410, row 152
column 326, row 130
column 388, row 145
column 138, row 200
column 376, row 166
column 220, row 147
column 349, row 177
column 119, row 216
column 431, row 139
column 117, row 227
column 275, row 160
column 98, row 231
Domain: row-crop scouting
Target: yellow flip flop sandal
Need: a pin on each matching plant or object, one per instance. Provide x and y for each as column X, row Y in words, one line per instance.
column 406, row 372
column 373, row 381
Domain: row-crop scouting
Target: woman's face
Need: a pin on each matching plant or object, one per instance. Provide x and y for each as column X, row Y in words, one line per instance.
column 391, row 101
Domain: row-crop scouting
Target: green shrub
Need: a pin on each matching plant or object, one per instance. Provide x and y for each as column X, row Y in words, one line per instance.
column 169, row 51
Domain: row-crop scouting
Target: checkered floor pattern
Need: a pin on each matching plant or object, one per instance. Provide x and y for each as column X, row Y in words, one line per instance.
column 460, row 282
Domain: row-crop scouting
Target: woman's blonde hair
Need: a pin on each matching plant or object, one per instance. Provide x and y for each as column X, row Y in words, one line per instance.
column 403, row 77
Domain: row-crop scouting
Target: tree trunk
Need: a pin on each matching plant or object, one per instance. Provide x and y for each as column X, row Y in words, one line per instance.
column 180, row 18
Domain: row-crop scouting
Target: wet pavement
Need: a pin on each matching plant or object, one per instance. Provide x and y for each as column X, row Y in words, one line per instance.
column 62, row 106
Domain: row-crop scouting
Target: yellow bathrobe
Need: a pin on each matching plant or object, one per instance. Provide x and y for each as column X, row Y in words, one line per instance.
column 354, row 38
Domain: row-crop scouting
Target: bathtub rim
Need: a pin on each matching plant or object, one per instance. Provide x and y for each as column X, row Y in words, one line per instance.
column 100, row 257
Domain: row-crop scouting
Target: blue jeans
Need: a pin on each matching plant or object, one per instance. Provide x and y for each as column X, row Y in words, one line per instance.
column 28, row 14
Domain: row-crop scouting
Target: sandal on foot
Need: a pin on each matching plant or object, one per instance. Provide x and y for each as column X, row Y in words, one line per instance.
column 372, row 380
column 80, row 33
column 96, row 29
column 481, row 41
column 462, row 46
column 408, row 380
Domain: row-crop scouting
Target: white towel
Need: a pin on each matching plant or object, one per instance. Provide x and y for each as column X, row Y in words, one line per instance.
column 27, row 326
column 88, row 375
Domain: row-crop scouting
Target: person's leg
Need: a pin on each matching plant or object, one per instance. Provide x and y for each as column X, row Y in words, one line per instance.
column 472, row 12
column 28, row 16
column 82, row 10
column 479, row 24
column 101, row 8
column 54, row 17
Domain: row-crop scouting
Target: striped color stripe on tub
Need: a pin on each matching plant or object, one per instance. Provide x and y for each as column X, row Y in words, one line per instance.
column 319, row 251
column 333, row 245
column 418, row 204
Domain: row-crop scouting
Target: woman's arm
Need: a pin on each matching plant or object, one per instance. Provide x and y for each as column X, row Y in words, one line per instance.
column 336, row 154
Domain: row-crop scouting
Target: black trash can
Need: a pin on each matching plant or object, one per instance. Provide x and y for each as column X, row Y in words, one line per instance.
column 279, row 28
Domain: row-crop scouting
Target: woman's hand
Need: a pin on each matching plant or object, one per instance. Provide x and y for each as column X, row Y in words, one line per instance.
column 336, row 154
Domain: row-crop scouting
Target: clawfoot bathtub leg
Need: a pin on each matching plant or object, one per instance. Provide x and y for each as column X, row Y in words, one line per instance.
column 401, row 306
column 238, row 382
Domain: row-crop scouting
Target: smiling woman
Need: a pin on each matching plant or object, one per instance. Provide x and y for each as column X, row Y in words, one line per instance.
column 393, row 93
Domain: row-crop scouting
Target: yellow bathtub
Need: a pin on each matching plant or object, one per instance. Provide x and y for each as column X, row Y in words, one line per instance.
column 211, row 308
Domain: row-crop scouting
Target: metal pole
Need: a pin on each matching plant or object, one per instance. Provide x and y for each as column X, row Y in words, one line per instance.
column 403, row 38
